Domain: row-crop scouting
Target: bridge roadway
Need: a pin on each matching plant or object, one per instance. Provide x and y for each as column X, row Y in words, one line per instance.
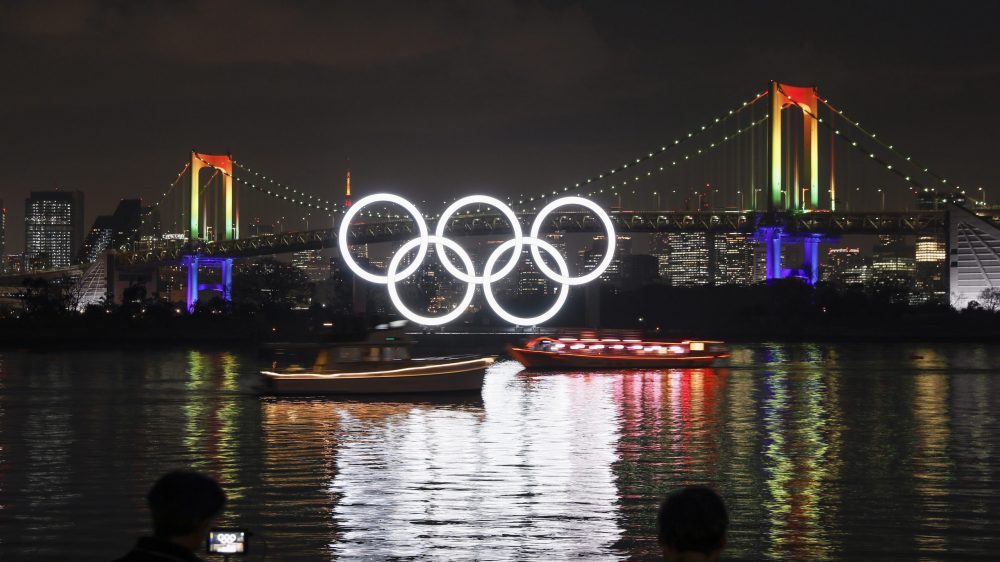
column 484, row 224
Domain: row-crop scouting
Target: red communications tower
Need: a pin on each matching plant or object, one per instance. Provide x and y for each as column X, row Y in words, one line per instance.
column 347, row 195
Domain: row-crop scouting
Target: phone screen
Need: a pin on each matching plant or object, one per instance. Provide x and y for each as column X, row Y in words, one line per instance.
column 227, row 541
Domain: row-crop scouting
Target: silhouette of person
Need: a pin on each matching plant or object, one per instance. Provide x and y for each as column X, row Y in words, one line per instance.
column 184, row 506
column 691, row 525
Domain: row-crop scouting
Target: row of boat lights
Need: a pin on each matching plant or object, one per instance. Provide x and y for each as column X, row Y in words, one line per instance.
column 634, row 345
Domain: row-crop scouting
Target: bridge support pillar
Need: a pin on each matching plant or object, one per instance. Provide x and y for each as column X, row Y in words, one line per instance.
column 770, row 236
column 193, row 264
column 811, row 249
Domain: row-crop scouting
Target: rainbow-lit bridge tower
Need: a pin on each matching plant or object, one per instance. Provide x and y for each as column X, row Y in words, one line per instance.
column 788, row 192
column 200, row 229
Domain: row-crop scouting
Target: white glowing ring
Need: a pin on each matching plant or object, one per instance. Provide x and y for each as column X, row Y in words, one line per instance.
column 608, row 226
column 345, row 253
column 488, row 280
column 515, row 257
column 393, row 277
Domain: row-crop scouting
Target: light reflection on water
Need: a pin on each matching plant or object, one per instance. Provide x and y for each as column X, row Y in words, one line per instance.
column 821, row 452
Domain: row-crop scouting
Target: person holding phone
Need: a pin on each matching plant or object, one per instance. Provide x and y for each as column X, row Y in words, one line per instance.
column 184, row 506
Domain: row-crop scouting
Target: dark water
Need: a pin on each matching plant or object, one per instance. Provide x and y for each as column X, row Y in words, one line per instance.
column 822, row 453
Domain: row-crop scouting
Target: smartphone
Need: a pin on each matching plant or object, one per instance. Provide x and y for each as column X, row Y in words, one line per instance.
column 227, row 541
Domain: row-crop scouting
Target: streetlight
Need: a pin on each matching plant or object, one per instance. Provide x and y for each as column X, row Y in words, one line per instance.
column 740, row 193
column 883, row 199
column 657, row 194
column 982, row 195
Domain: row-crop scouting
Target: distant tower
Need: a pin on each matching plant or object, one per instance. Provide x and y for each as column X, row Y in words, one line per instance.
column 347, row 195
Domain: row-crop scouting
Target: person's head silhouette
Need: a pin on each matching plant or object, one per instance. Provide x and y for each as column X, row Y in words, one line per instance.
column 184, row 506
column 692, row 525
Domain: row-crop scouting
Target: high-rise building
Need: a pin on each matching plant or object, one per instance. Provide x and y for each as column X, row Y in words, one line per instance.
column 893, row 268
column 846, row 266
column 312, row 264
column 929, row 284
column 660, row 249
column 53, row 227
column 689, row 258
column 116, row 231
column 593, row 256
column 732, row 258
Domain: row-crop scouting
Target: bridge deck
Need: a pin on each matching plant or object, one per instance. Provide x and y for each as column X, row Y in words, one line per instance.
column 386, row 230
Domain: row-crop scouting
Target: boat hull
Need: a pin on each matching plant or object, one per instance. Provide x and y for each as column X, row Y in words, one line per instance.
column 436, row 377
column 539, row 360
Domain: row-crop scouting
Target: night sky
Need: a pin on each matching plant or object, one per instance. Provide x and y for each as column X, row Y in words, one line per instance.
column 451, row 98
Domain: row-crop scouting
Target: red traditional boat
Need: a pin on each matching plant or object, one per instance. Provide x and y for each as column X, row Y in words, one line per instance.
column 613, row 353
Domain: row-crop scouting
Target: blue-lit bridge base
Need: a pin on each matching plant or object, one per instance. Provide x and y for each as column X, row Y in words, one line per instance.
column 774, row 237
column 225, row 288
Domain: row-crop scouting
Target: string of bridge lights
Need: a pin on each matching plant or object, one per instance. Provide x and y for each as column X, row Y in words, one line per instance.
column 889, row 147
column 307, row 200
column 640, row 160
column 173, row 184
column 301, row 198
column 871, row 155
column 686, row 157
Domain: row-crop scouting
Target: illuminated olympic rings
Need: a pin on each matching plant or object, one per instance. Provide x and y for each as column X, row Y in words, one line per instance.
column 514, row 246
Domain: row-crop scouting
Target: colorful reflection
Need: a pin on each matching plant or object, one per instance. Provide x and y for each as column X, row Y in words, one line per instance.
column 528, row 473
column 846, row 452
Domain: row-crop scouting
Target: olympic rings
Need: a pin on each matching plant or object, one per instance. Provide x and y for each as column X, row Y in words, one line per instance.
column 608, row 255
column 345, row 253
column 515, row 246
column 394, row 277
column 488, row 288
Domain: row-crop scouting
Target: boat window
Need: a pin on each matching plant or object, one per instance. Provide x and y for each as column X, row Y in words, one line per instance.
column 373, row 354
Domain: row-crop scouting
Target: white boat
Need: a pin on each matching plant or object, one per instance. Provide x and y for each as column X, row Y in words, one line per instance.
column 381, row 364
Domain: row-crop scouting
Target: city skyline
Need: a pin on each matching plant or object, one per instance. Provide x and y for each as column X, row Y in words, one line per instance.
column 482, row 116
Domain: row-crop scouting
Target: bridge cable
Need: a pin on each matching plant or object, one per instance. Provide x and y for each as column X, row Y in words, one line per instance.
column 860, row 149
column 688, row 156
column 890, row 147
column 582, row 184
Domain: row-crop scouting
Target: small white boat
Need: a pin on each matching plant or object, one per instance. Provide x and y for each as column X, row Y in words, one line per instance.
column 381, row 364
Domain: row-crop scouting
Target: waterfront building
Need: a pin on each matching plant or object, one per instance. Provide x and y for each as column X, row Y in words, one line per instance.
column 312, row 264
column 689, row 258
column 845, row 266
column 660, row 249
column 530, row 279
column 115, row 231
column 53, row 227
column 973, row 257
column 592, row 257
column 759, row 264
column 893, row 268
column 930, row 277
column 732, row 260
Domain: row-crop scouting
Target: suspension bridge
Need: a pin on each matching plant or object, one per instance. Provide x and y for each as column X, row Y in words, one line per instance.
column 785, row 166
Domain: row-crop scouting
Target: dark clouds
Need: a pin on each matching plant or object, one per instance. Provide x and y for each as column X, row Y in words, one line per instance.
column 445, row 97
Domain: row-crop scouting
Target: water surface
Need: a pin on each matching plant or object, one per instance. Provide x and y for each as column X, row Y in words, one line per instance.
column 822, row 452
